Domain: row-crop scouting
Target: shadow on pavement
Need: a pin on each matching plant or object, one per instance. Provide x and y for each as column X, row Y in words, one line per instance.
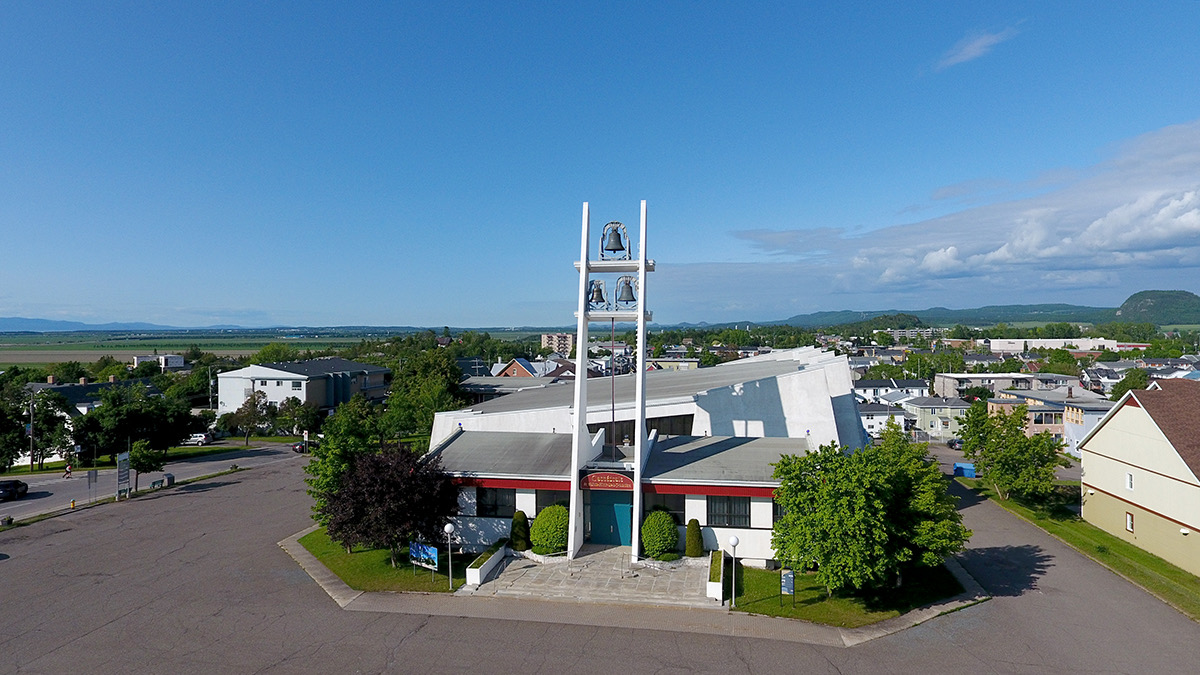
column 206, row 486
column 3, row 556
column 966, row 496
column 40, row 494
column 1006, row 570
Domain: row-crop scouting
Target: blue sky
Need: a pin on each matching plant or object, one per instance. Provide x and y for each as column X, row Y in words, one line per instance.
column 425, row 164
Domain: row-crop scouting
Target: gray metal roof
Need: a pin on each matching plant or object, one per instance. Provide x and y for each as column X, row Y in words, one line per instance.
column 719, row 459
column 517, row 454
column 660, row 384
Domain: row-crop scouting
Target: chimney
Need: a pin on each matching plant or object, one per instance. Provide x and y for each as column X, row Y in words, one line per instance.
column 1070, row 392
column 51, row 380
column 112, row 378
column 83, row 380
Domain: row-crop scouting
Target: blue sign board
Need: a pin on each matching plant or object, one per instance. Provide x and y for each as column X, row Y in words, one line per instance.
column 423, row 555
column 787, row 582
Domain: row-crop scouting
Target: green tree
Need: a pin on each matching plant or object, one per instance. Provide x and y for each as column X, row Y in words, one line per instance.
column 972, row 394
column 426, row 384
column 253, row 414
column 862, row 517
column 1135, row 378
column 50, row 434
column 1006, row 457
column 296, row 417
column 13, row 415
column 388, row 499
column 127, row 412
column 275, row 352
column 352, row 430
column 144, row 459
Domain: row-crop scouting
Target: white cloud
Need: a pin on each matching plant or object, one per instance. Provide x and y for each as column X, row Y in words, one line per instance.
column 1098, row 235
column 972, row 47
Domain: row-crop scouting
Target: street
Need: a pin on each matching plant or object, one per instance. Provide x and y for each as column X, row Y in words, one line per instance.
column 50, row 492
column 191, row 579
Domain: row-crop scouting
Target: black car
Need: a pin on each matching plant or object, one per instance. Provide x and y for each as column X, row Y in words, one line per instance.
column 13, row 489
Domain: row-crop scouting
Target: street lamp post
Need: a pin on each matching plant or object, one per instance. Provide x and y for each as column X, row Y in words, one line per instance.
column 449, row 530
column 733, row 543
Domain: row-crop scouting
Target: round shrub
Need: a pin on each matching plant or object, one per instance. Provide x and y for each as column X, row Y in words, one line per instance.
column 549, row 530
column 694, row 546
column 518, row 537
column 659, row 534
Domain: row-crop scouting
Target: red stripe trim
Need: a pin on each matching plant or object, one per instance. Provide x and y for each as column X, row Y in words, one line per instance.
column 517, row 483
column 708, row 490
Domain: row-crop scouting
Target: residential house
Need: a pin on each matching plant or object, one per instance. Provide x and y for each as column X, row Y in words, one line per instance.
column 875, row 417
column 327, row 382
column 1141, row 471
column 936, row 416
column 873, row 390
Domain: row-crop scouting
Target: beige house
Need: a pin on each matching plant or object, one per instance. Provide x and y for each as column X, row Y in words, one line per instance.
column 1140, row 468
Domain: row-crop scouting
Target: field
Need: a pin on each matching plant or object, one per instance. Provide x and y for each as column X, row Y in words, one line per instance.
column 33, row 349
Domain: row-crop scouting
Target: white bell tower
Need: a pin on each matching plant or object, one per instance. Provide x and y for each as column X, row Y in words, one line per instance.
column 612, row 288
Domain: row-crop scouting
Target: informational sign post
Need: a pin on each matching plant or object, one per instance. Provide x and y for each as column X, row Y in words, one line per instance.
column 122, row 473
column 787, row 585
column 423, row 555
column 93, row 477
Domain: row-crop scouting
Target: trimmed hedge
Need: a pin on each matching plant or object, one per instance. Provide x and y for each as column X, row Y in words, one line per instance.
column 549, row 530
column 519, row 534
column 715, row 562
column 659, row 534
column 486, row 555
column 694, row 546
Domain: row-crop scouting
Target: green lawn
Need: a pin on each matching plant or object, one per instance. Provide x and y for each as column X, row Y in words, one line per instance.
column 1173, row 585
column 370, row 570
column 758, row 593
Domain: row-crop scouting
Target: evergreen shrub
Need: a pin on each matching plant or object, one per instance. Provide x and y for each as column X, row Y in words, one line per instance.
column 549, row 530
column 694, row 545
column 519, row 534
column 659, row 534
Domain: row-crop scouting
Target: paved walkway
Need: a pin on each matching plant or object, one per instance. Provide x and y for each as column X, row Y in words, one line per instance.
column 603, row 574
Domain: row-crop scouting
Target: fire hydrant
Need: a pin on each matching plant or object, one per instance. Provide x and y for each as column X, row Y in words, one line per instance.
column 72, row 503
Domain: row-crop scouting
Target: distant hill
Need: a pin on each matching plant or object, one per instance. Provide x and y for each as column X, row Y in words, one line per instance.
column 982, row 316
column 1161, row 308
column 16, row 324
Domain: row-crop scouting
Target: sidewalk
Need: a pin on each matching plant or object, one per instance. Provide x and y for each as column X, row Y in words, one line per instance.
column 593, row 612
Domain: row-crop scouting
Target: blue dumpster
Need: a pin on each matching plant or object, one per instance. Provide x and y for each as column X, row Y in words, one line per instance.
column 964, row 469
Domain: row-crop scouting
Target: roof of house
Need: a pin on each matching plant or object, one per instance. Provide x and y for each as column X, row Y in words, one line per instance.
column 1175, row 408
column 719, row 459
column 325, row 366
column 499, row 453
column 938, row 402
column 77, row 394
column 660, row 384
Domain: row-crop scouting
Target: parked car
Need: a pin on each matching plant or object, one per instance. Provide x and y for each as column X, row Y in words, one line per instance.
column 955, row 444
column 13, row 489
column 300, row 446
column 199, row 439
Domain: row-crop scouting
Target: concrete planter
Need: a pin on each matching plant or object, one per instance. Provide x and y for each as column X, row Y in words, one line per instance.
column 715, row 589
column 477, row 575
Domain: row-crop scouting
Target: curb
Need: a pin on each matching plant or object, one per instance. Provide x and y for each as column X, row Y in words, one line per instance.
column 654, row 617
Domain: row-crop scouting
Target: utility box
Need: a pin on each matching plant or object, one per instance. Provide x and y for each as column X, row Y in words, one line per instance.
column 964, row 469
column 169, row 478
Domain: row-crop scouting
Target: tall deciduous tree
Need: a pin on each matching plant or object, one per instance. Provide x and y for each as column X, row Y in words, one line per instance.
column 1005, row 456
column 296, row 417
column 50, row 434
column 253, row 414
column 143, row 459
column 1135, row 378
column 352, row 430
column 861, row 517
column 388, row 499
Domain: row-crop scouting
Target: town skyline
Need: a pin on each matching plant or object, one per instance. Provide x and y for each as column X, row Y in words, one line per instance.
column 317, row 166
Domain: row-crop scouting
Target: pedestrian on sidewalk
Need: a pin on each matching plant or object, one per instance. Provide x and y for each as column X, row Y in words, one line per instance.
column 67, row 473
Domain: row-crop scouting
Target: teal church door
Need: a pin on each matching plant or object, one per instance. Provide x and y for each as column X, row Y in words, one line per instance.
column 612, row 517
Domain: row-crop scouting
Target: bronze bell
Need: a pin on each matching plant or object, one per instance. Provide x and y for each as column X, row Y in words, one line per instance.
column 597, row 293
column 613, row 243
column 626, row 292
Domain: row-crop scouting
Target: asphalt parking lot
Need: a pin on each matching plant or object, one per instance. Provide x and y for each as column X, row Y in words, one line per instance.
column 191, row 580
